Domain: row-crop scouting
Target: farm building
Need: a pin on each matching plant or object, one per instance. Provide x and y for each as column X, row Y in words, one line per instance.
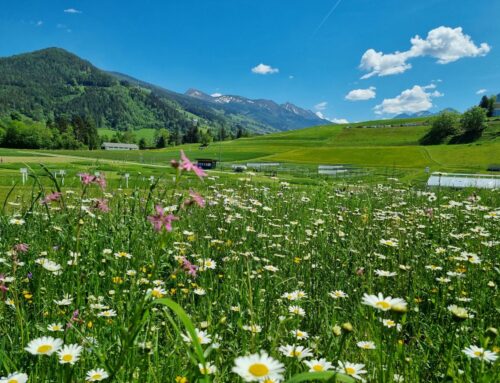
column 457, row 180
column 496, row 111
column 118, row 146
column 206, row 163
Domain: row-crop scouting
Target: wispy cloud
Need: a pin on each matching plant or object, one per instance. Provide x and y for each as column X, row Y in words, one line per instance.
column 334, row 120
column 325, row 19
column 72, row 11
column 39, row 23
column 481, row 91
column 264, row 69
column 321, row 105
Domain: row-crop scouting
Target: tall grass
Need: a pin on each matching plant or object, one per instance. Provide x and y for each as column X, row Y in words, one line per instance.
column 250, row 267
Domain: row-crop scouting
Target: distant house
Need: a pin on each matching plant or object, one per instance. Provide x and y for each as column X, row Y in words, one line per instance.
column 118, row 146
column 206, row 163
column 496, row 111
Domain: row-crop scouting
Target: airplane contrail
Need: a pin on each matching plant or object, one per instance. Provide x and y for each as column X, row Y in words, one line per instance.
column 327, row 16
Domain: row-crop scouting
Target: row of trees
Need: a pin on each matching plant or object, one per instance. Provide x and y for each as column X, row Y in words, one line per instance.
column 488, row 104
column 164, row 137
column 453, row 128
column 64, row 132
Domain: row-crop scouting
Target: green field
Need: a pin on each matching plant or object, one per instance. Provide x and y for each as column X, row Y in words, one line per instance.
column 147, row 134
column 371, row 147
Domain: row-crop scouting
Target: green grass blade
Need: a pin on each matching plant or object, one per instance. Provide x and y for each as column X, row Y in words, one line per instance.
column 323, row 376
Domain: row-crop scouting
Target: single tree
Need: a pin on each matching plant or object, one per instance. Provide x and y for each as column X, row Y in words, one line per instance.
column 485, row 102
column 473, row 120
column 443, row 126
column 142, row 143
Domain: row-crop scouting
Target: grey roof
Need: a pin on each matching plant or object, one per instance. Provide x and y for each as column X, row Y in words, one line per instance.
column 120, row 145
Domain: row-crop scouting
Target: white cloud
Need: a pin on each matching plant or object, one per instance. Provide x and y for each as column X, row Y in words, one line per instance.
column 339, row 121
column 443, row 43
column 39, row 23
column 412, row 100
column 361, row 94
column 481, row 91
column 334, row 120
column 72, row 10
column 291, row 77
column 264, row 69
column 216, row 94
column 380, row 64
column 321, row 105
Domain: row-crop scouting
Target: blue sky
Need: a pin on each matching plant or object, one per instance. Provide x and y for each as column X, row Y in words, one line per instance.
column 310, row 60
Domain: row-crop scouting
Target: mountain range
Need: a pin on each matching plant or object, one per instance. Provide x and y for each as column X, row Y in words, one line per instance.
column 423, row 114
column 52, row 81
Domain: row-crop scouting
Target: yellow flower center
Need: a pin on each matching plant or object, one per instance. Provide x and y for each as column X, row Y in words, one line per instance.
column 478, row 353
column 350, row 371
column 44, row 348
column 157, row 294
column 67, row 358
column 383, row 305
column 317, row 367
column 296, row 353
column 258, row 369
column 13, row 381
column 96, row 376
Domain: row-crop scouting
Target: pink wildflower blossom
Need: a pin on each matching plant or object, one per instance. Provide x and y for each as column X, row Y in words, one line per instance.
column 51, row 197
column 88, row 179
column 102, row 205
column 189, row 267
column 21, row 247
column 161, row 219
column 187, row 165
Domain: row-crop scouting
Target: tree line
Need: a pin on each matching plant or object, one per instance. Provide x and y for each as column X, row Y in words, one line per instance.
column 453, row 128
column 64, row 132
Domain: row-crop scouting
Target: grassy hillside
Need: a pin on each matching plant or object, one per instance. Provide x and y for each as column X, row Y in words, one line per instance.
column 371, row 147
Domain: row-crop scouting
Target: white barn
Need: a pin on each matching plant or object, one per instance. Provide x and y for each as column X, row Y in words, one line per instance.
column 118, row 146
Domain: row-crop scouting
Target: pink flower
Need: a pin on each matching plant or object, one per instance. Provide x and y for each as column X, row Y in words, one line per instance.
column 101, row 181
column 102, row 205
column 195, row 198
column 88, row 179
column 21, row 247
column 198, row 199
column 189, row 267
column 187, row 165
column 161, row 219
column 51, row 197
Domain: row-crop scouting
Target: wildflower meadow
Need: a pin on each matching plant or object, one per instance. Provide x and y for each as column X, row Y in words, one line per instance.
column 206, row 278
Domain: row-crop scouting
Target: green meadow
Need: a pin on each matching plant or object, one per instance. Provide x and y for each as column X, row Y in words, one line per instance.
column 391, row 147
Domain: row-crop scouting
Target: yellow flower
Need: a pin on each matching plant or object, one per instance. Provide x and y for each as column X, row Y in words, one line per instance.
column 118, row 280
column 181, row 379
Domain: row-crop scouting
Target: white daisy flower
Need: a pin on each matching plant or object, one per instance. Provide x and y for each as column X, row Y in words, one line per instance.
column 258, row 368
column 69, row 353
column 96, row 375
column 318, row 365
column 45, row 345
column 351, row 369
column 16, row 377
column 475, row 352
